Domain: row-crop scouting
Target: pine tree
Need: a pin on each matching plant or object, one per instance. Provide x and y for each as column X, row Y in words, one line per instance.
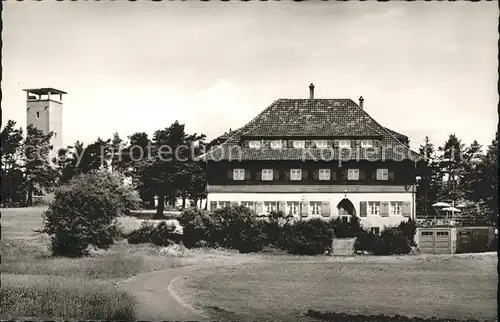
column 12, row 176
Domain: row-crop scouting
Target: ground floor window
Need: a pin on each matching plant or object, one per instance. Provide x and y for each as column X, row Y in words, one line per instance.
column 293, row 207
column 374, row 208
column 248, row 204
column 315, row 207
column 270, row 206
column 396, row 208
column 375, row 230
column 224, row 204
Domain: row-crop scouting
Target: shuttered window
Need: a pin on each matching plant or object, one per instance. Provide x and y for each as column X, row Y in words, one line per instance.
column 382, row 174
column 353, row 174
column 315, row 207
column 299, row 144
column 276, row 144
column 324, row 174
column 406, row 209
column 396, row 208
column 374, row 208
column 238, row 174
column 292, row 207
column 270, row 206
column 267, row 174
column 346, row 144
column 295, row 174
column 254, row 144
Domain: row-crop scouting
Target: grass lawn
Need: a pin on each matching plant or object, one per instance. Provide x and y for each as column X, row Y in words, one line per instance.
column 447, row 286
column 36, row 285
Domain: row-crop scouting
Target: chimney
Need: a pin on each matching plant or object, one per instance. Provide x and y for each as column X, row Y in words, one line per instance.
column 361, row 100
column 311, row 91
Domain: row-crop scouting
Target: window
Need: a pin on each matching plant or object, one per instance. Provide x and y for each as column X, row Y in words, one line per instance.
column 321, row 144
column 293, row 207
column 382, row 174
column 254, row 144
column 267, row 174
column 396, row 207
column 299, row 144
column 295, row 174
column 426, row 233
column 366, row 143
column 315, row 207
column 37, row 115
column 270, row 206
column 324, row 174
column 238, row 174
column 442, row 233
column 55, row 135
column 345, row 144
column 353, row 174
column 248, row 204
column 374, row 208
column 223, row 204
column 375, row 230
column 276, row 144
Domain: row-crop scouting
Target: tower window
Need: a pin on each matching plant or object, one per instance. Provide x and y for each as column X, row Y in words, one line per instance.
column 37, row 115
column 55, row 135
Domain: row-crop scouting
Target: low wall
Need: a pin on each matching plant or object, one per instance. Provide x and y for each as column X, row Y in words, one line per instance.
column 343, row 246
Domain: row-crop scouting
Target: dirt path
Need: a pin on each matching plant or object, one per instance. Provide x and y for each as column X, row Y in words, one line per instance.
column 157, row 300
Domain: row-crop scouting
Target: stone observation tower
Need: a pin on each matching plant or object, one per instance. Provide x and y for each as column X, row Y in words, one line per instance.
column 44, row 111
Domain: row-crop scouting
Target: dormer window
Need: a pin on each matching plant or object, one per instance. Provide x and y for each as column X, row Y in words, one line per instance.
column 299, row 144
column 321, row 144
column 346, row 144
column 254, row 144
column 276, row 144
column 366, row 143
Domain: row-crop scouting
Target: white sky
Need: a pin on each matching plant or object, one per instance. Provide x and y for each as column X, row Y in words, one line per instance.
column 423, row 68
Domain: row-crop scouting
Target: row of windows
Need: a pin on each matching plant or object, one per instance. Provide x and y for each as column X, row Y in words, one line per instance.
column 301, row 144
column 394, row 208
column 296, row 174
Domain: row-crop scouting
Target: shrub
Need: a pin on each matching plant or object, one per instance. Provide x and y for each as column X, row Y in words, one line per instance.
column 197, row 226
column 394, row 242
column 237, row 228
column 409, row 229
column 141, row 235
column 368, row 241
column 346, row 229
column 83, row 212
column 309, row 237
column 161, row 234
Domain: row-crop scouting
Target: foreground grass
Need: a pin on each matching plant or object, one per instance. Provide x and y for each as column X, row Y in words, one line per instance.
column 62, row 297
column 453, row 287
column 34, row 284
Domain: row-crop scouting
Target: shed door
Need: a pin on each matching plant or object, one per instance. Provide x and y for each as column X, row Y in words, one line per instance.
column 442, row 242
column 426, row 243
column 435, row 241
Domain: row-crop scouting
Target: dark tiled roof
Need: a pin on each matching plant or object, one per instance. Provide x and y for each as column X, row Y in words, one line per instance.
column 397, row 135
column 333, row 118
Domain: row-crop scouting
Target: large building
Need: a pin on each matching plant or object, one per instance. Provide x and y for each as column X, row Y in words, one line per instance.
column 313, row 157
column 44, row 111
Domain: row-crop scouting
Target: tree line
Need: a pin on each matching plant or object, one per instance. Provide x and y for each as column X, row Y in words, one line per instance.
column 451, row 171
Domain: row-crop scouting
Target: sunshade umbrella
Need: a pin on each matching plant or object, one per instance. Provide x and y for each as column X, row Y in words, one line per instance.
column 441, row 204
column 452, row 209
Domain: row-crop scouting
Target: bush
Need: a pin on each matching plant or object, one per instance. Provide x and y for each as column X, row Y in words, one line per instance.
column 346, row 229
column 141, row 235
column 368, row 241
column 161, row 234
column 197, row 226
column 394, row 242
column 83, row 212
column 309, row 237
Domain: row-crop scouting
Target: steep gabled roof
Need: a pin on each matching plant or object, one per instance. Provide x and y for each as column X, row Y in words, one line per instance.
column 334, row 118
